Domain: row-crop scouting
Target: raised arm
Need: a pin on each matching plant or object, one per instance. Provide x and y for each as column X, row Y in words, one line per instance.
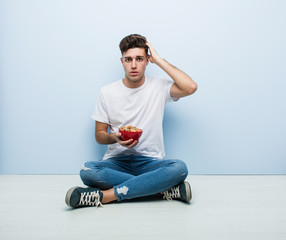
column 183, row 84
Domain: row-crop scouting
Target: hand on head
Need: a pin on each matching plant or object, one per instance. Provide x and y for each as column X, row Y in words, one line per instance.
column 154, row 56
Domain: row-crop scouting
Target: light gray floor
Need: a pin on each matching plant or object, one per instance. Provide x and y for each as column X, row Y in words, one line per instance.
column 223, row 207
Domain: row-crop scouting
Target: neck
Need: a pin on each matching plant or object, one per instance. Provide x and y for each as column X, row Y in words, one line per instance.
column 133, row 84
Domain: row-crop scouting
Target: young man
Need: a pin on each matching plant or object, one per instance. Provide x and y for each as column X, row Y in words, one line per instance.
column 132, row 169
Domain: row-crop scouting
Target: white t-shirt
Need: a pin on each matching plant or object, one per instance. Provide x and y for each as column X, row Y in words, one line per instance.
column 142, row 107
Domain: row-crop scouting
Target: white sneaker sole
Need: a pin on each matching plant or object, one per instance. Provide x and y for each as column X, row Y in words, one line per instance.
column 188, row 191
column 68, row 195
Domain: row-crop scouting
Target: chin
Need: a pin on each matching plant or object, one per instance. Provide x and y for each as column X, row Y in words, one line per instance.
column 135, row 79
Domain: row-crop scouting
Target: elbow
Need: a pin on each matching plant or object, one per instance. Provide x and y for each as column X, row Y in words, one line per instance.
column 97, row 138
column 192, row 88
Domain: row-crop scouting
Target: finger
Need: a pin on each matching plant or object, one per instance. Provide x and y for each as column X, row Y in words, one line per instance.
column 118, row 137
column 126, row 143
column 133, row 144
column 150, row 47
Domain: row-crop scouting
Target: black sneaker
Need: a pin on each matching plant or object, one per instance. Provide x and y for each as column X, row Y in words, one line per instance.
column 84, row 197
column 182, row 192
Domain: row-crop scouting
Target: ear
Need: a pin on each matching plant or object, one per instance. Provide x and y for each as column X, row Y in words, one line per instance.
column 121, row 59
column 147, row 59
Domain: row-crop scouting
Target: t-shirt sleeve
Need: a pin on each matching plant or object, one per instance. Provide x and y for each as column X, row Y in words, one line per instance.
column 169, row 84
column 100, row 112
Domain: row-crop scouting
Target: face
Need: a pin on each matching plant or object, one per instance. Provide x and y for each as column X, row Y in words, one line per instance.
column 134, row 62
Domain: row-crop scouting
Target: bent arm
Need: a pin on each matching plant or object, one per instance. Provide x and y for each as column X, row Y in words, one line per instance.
column 103, row 137
column 183, row 84
column 101, row 134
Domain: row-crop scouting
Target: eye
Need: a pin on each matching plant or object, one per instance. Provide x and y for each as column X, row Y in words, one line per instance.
column 127, row 59
column 140, row 59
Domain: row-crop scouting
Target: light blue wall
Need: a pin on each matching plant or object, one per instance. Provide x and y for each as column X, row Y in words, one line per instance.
column 56, row 55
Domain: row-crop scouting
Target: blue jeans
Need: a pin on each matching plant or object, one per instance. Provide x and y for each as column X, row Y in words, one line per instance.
column 134, row 176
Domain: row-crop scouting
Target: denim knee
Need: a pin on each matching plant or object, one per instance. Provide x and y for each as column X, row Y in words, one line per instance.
column 87, row 173
column 183, row 167
column 179, row 169
column 84, row 177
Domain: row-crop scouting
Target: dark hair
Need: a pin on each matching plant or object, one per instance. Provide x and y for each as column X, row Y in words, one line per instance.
column 133, row 41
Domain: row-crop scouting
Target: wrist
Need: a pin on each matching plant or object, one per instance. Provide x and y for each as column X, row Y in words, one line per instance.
column 113, row 137
column 159, row 61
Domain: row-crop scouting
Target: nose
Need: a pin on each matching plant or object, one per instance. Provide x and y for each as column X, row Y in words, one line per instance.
column 133, row 64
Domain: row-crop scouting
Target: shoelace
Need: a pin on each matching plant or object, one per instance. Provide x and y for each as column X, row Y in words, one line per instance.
column 171, row 193
column 90, row 199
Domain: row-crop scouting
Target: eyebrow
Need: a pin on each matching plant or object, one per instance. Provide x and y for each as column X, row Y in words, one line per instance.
column 134, row 57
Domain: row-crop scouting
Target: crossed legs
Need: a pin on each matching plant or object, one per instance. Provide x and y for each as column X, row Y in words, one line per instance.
column 126, row 179
column 122, row 178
